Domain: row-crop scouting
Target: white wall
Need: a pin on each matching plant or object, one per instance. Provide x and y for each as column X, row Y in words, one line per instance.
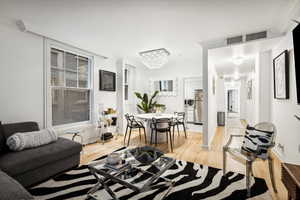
column 265, row 92
column 221, row 97
column 212, row 106
column 251, row 103
column 243, row 99
column 179, row 69
column 106, row 98
column 21, row 76
column 283, row 111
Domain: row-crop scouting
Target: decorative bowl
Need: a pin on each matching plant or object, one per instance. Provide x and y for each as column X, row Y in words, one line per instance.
column 113, row 159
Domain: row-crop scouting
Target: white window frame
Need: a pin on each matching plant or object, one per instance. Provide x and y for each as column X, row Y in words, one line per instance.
column 48, row 44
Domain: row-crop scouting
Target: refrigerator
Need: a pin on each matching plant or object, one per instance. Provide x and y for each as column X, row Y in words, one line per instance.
column 198, row 106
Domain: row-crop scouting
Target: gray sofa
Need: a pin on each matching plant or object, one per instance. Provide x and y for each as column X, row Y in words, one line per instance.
column 32, row 166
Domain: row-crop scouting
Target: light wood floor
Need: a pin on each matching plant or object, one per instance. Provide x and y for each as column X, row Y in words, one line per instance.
column 190, row 150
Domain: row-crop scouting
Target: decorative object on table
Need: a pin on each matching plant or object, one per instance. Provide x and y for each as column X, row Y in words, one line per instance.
column 146, row 105
column 281, row 76
column 249, row 89
column 190, row 186
column 146, row 154
column 257, row 144
column 160, row 108
column 113, row 159
column 132, row 123
column 20, row 141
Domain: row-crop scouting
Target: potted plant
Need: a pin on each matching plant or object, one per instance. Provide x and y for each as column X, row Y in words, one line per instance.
column 146, row 105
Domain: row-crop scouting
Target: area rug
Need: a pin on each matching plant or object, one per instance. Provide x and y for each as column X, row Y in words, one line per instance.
column 192, row 182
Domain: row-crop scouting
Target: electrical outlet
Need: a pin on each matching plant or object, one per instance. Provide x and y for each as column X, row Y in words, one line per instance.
column 299, row 148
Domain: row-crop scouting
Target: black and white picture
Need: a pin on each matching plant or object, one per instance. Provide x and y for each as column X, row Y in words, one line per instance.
column 281, row 76
column 249, row 89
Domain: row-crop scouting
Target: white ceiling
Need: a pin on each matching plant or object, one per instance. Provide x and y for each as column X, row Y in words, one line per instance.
column 126, row 27
column 222, row 58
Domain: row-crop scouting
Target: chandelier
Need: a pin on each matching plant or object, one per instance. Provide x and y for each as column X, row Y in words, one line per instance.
column 155, row 58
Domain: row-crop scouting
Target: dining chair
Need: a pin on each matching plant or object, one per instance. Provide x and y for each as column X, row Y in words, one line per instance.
column 161, row 126
column 132, row 123
column 256, row 144
column 180, row 120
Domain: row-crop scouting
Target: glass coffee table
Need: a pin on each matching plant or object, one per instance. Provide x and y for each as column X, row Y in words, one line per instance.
column 129, row 175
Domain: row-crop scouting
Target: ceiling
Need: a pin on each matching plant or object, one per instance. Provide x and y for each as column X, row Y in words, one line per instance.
column 223, row 58
column 125, row 27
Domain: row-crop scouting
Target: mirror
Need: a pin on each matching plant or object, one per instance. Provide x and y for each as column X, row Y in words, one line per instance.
column 164, row 85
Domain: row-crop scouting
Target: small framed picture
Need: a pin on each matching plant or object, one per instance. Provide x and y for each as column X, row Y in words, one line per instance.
column 281, row 76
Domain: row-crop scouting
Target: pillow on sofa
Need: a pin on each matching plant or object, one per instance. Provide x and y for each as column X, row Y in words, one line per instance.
column 21, row 141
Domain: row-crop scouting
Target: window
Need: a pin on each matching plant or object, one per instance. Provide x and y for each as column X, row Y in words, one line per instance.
column 70, row 87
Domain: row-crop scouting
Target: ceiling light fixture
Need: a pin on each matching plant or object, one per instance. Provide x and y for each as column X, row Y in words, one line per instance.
column 155, row 58
column 236, row 75
column 238, row 60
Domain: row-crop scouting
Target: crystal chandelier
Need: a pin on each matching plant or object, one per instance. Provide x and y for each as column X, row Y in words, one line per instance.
column 155, row 58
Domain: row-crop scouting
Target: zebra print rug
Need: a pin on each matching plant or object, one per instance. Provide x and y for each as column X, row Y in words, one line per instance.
column 192, row 182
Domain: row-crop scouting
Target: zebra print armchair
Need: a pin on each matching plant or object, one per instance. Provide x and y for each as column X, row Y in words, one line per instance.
column 257, row 143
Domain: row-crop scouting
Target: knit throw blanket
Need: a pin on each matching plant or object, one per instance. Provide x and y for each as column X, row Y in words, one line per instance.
column 21, row 141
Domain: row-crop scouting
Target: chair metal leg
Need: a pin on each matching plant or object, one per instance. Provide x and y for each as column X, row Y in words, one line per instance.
column 248, row 169
column 125, row 135
column 184, row 130
column 224, row 160
column 178, row 129
column 140, row 134
column 151, row 136
column 173, row 134
column 145, row 135
column 270, row 161
column 170, row 140
column 155, row 138
column 129, row 136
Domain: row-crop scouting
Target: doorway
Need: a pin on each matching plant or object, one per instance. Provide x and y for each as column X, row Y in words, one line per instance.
column 232, row 101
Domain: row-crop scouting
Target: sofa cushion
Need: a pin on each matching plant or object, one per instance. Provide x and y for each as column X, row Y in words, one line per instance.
column 10, row 189
column 15, row 163
column 10, row 129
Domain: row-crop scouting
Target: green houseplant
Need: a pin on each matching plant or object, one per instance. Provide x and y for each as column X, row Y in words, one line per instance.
column 148, row 105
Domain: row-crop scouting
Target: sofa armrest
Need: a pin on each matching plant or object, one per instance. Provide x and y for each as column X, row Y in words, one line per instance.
column 10, row 189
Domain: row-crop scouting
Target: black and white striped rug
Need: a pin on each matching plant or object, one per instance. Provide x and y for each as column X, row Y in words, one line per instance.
column 192, row 182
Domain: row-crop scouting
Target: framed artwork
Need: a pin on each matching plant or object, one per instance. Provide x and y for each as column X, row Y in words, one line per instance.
column 249, row 89
column 281, row 76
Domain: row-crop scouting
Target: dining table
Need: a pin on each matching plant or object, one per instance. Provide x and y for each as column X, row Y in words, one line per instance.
column 146, row 118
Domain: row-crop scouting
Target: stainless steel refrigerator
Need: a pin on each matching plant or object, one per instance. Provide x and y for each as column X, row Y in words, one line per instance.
column 198, row 106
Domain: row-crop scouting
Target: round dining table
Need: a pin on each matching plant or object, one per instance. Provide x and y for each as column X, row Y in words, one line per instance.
column 147, row 119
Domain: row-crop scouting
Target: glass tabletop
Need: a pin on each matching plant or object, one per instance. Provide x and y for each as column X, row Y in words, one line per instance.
column 131, row 172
